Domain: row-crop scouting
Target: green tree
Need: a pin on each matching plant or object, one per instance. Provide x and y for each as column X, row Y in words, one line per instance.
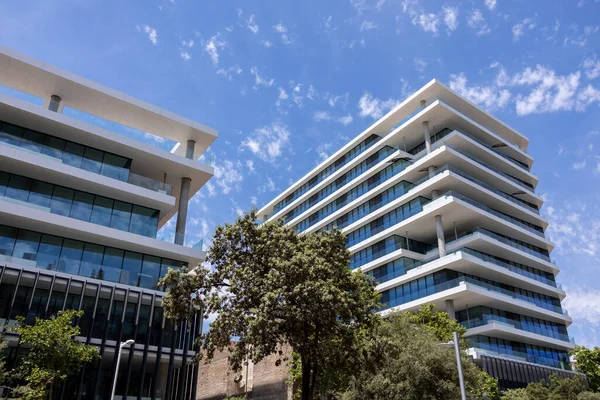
column 557, row 389
column 408, row 363
column 52, row 353
column 269, row 287
column 587, row 361
column 3, row 371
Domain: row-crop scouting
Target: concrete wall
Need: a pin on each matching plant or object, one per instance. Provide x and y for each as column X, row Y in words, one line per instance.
column 265, row 381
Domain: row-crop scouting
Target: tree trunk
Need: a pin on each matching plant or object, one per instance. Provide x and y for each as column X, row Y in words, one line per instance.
column 306, row 375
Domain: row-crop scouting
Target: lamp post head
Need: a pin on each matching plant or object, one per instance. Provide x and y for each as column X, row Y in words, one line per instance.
column 128, row 343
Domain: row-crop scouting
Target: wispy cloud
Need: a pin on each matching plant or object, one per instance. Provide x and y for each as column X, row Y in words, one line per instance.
column 185, row 55
column 591, row 66
column 283, row 32
column 228, row 175
column 477, row 22
column 212, row 48
column 251, row 24
column 269, row 141
column 260, row 80
column 419, row 17
column 518, row 30
column 326, row 116
column 490, row 97
column 450, row 18
column 151, row 32
column 367, row 26
column 230, row 72
column 490, row 4
column 373, row 107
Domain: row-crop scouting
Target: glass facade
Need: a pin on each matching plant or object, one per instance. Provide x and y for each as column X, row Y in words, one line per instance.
column 339, row 182
column 478, row 316
column 520, row 351
column 386, row 246
column 337, row 164
column 387, row 220
column 394, row 269
column 446, row 279
column 77, row 155
column 354, row 193
column 80, row 205
column 84, row 259
column 434, row 138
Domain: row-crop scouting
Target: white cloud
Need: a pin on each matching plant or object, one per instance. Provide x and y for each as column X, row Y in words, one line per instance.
column 367, row 26
column 282, row 96
column 152, row 34
column 266, row 43
column 419, row 64
column 518, row 30
column 326, row 116
column 259, row 80
column 270, row 185
column 228, row 176
column 250, row 166
column 269, row 141
column 583, row 304
column 490, row 4
column 428, row 22
column 211, row 189
column 373, row 107
column 364, row 5
column 251, row 24
column 579, row 164
column 212, row 48
column 283, row 32
column 188, row 43
column 323, row 151
column 477, row 21
column 185, row 55
column 450, row 18
column 419, row 17
column 334, row 100
column 253, row 200
column 229, row 72
column 591, row 66
column 488, row 96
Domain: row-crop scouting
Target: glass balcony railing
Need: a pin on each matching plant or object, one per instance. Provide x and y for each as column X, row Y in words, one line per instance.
column 540, row 276
column 540, row 330
column 78, row 156
column 523, row 224
column 523, row 356
column 525, row 247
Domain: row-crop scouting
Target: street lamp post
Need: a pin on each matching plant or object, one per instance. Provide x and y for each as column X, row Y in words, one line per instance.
column 121, row 346
column 461, row 379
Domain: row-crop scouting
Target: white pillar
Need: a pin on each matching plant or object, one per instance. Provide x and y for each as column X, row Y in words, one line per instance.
column 439, row 230
column 423, row 104
column 54, row 103
column 427, row 136
column 182, row 211
column 450, row 309
column 435, row 194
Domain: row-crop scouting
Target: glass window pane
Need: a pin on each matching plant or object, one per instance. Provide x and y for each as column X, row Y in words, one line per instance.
column 144, row 221
column 150, row 272
column 102, row 211
column 73, row 154
column 62, row 199
column 82, row 206
column 70, row 257
column 49, row 252
column 27, row 245
column 11, row 134
column 41, row 194
column 54, row 147
column 4, row 177
column 92, row 160
column 121, row 215
column 132, row 267
column 115, row 166
column 91, row 262
column 8, row 237
column 33, row 140
column 111, row 265
column 18, row 188
column 166, row 264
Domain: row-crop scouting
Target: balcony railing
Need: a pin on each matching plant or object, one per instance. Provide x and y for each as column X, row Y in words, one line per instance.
column 119, row 173
column 517, row 325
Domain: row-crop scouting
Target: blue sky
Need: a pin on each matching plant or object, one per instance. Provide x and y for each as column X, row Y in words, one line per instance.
column 288, row 82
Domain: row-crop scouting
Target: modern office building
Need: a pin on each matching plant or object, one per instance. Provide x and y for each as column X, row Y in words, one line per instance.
column 438, row 204
column 82, row 199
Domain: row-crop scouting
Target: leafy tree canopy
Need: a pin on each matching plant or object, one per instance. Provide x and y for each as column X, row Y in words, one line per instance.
column 52, row 353
column 408, row 362
column 269, row 287
column 556, row 389
column 587, row 361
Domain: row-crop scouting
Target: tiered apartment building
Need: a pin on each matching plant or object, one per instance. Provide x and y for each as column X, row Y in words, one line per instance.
column 82, row 199
column 438, row 204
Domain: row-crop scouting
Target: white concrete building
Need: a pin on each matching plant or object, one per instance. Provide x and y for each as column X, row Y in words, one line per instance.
column 439, row 205
column 80, row 210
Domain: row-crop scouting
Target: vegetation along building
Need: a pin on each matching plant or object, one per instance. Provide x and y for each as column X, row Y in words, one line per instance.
column 82, row 198
column 438, row 204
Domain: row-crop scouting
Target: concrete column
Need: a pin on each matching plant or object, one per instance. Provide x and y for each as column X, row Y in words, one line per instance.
column 439, row 230
column 182, row 211
column 450, row 309
column 435, row 194
column 427, row 136
column 423, row 104
column 189, row 149
column 54, row 103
